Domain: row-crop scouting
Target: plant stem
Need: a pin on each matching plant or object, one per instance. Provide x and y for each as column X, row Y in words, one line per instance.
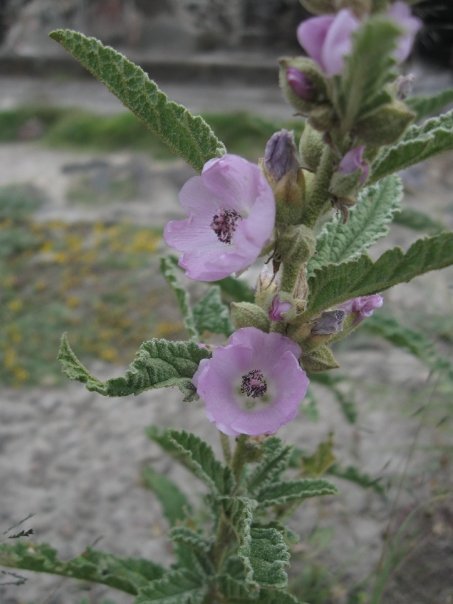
column 226, row 449
column 319, row 195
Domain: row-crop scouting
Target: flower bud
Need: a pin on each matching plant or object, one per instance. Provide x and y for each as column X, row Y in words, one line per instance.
column 246, row 314
column 311, row 146
column 302, row 83
column 280, row 155
column 296, row 244
column 328, row 325
column 351, row 174
column 279, row 308
column 385, row 125
column 322, row 118
column 319, row 359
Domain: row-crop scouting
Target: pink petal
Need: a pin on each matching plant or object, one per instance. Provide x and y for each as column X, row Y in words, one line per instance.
column 338, row 42
column 312, row 33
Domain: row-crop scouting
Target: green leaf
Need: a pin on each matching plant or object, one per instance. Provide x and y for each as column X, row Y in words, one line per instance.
column 275, row 460
column 322, row 459
column 196, row 455
column 352, row 474
column 368, row 221
column 294, row 491
column 211, row 314
column 188, row 136
column 269, row 557
column 175, row 587
column 238, row 290
column 157, row 364
column 192, row 550
column 419, row 143
column 333, row 284
column 173, row 501
column 410, row 340
column 125, row 574
column 427, row 105
column 419, row 221
column 368, row 69
column 171, row 272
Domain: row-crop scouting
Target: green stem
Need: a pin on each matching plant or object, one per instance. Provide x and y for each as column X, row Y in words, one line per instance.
column 226, row 449
column 318, row 198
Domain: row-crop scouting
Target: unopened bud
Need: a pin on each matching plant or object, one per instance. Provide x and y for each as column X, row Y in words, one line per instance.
column 385, row 125
column 311, row 146
column 351, row 174
column 303, row 83
column 280, row 155
column 296, row 244
column 319, row 359
column 246, row 314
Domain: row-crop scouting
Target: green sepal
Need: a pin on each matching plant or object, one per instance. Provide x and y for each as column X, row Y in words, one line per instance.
column 196, row 455
column 386, row 125
column 174, row 503
column 319, row 359
column 125, row 574
column 311, row 146
column 187, row 135
column 346, row 185
column 158, row 364
column 245, row 314
column 323, row 118
column 295, row 244
column 316, row 77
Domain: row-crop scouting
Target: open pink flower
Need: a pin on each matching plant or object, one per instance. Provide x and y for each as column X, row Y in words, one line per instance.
column 231, row 215
column 327, row 39
column 254, row 384
column 401, row 14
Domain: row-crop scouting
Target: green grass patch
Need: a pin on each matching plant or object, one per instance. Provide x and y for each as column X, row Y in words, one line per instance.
column 241, row 132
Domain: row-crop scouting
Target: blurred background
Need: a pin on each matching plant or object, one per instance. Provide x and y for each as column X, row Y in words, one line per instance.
column 84, row 194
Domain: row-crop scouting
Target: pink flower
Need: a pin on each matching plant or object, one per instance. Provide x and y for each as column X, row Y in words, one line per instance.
column 401, row 14
column 363, row 306
column 231, row 215
column 353, row 161
column 278, row 308
column 327, row 39
column 254, row 384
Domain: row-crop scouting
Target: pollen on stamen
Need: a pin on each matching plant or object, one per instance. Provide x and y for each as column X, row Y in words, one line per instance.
column 254, row 384
column 224, row 224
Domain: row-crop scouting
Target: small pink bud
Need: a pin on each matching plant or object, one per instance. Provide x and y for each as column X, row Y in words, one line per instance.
column 278, row 308
column 301, row 84
column 353, row 161
column 280, row 155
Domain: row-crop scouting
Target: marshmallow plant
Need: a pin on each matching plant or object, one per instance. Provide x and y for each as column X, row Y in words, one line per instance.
column 308, row 212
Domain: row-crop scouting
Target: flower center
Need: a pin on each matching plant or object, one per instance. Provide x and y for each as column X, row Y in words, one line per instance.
column 254, row 384
column 224, row 224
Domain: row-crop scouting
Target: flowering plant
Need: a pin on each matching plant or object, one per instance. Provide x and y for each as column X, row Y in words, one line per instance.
column 309, row 211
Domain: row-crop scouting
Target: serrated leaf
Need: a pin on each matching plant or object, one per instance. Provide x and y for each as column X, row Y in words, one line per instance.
column 333, row 284
column 368, row 69
column 192, row 550
column 419, row 143
column 187, row 135
column 211, row 314
column 275, row 460
column 410, row 340
column 196, row 455
column 294, row 491
column 353, row 474
column 269, row 557
column 175, row 587
column 425, row 105
column 157, row 364
column 174, row 503
column 368, row 221
column 125, row 574
column 419, row 221
column 171, row 272
column 321, row 460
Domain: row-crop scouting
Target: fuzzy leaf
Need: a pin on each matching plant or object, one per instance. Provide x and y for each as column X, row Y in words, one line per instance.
column 191, row 549
column 352, row 474
column 419, row 143
column 173, row 501
column 275, row 460
column 333, row 284
column 293, row 491
column 196, row 455
column 157, row 364
column 171, row 272
column 175, row 587
column 419, row 221
column 347, row 404
column 211, row 314
column 368, row 69
column 410, row 340
column 125, row 574
column 238, row 290
column 269, row 557
column 424, row 106
column 322, row 459
column 187, row 135
column 368, row 221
